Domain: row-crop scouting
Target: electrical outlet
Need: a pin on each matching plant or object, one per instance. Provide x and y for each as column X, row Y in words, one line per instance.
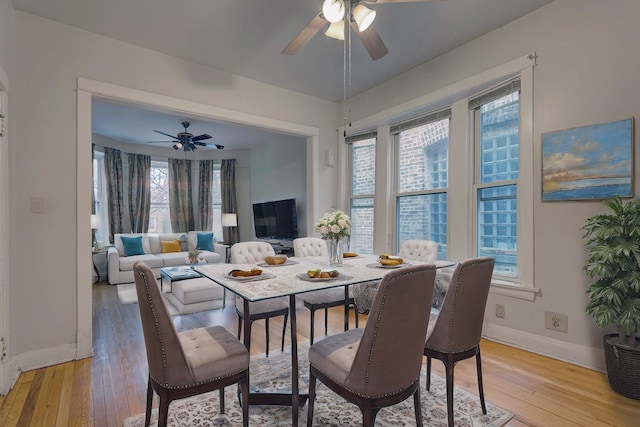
column 500, row 311
column 556, row 321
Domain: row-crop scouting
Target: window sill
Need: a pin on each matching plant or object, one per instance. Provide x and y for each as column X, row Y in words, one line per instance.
column 514, row 290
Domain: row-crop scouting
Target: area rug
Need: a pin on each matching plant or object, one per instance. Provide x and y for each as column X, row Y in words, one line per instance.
column 127, row 294
column 274, row 372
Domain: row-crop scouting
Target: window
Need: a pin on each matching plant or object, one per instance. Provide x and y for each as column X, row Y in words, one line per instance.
column 363, row 171
column 159, row 217
column 216, row 203
column 496, row 126
column 422, row 170
column 100, row 199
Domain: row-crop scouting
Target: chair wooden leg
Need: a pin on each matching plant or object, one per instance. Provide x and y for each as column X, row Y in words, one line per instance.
column 163, row 410
column 244, row 386
column 428, row 373
column 312, row 398
column 147, row 416
column 222, row 400
column 480, row 387
column 266, row 331
column 312, row 324
column 356, row 312
column 239, row 326
column 417, row 406
column 449, row 365
column 284, row 331
column 326, row 321
column 369, row 416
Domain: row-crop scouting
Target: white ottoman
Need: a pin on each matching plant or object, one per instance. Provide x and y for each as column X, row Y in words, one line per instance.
column 192, row 295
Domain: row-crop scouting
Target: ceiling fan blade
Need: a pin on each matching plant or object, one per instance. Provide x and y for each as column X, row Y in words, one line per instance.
column 396, row 1
column 371, row 41
column 201, row 137
column 166, row 134
column 305, row 35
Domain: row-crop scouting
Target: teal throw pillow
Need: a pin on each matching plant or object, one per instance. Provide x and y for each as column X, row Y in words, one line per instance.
column 205, row 242
column 132, row 245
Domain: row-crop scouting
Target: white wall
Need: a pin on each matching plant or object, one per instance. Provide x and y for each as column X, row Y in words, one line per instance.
column 286, row 180
column 587, row 73
column 45, row 256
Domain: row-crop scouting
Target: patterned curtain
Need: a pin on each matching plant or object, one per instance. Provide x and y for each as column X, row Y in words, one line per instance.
column 229, row 201
column 139, row 191
column 180, row 196
column 114, row 181
column 205, row 211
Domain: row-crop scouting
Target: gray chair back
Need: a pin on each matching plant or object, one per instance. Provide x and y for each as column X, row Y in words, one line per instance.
column 389, row 356
column 459, row 324
column 419, row 250
column 168, row 365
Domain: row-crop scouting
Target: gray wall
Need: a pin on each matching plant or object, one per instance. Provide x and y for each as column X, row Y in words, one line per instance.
column 586, row 73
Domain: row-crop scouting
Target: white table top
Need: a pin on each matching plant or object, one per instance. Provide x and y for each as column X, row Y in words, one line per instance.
column 283, row 280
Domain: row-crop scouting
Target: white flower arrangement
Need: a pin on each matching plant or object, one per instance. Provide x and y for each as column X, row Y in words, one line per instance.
column 334, row 225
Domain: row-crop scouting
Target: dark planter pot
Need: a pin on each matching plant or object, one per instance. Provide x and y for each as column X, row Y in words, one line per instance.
column 623, row 367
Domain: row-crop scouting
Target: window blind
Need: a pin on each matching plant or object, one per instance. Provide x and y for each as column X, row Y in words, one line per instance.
column 421, row 120
column 361, row 137
column 495, row 93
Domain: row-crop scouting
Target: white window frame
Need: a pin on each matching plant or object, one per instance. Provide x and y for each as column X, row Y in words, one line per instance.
column 350, row 197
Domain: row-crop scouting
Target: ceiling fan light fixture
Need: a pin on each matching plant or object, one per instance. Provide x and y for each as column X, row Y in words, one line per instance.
column 333, row 10
column 336, row 30
column 177, row 146
column 363, row 16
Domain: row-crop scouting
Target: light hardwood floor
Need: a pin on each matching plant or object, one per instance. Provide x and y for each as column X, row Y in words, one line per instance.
column 111, row 386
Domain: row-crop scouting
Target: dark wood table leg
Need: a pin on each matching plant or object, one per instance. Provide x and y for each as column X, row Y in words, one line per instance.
column 295, row 392
column 346, row 308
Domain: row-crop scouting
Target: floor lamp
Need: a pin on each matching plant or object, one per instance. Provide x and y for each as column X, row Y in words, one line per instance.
column 230, row 220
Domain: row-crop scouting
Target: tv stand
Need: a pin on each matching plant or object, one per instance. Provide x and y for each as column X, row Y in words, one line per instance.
column 279, row 248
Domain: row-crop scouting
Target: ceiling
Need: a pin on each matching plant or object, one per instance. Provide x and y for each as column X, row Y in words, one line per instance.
column 245, row 38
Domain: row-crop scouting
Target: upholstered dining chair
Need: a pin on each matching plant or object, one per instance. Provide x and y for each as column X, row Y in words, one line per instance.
column 455, row 334
column 379, row 365
column 323, row 299
column 254, row 253
column 184, row 364
column 419, row 250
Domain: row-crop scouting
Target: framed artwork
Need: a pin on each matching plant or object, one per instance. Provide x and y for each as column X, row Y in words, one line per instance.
column 588, row 163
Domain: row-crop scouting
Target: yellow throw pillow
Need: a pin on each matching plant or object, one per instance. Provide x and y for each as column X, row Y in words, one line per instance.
column 171, row 246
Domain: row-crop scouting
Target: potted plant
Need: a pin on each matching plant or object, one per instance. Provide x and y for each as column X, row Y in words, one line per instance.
column 613, row 246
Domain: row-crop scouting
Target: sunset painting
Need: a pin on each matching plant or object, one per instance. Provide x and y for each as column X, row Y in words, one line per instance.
column 591, row 162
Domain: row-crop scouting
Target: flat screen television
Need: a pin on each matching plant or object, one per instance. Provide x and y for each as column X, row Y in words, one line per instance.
column 276, row 220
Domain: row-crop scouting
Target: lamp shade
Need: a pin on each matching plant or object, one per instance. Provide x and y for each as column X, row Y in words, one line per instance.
column 95, row 222
column 363, row 16
column 229, row 220
column 336, row 30
column 333, row 10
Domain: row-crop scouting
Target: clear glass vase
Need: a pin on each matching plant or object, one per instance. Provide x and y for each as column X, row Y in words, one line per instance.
column 335, row 248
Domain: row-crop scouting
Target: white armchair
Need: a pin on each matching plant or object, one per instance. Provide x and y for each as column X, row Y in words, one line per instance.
column 253, row 253
column 420, row 250
column 309, row 246
column 323, row 299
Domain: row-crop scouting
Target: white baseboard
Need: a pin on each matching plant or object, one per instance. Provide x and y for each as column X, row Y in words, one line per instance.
column 46, row 357
column 588, row 357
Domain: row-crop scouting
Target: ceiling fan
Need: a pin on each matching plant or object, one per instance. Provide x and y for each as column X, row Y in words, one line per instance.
column 187, row 141
column 335, row 12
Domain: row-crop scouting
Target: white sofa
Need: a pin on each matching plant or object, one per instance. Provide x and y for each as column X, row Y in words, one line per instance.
column 121, row 267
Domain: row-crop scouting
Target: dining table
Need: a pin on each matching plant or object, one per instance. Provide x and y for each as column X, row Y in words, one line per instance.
column 289, row 280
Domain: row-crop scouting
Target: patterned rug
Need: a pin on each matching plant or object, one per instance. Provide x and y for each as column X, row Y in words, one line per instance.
column 273, row 372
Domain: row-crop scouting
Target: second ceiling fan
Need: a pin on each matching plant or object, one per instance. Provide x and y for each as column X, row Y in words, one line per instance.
column 336, row 12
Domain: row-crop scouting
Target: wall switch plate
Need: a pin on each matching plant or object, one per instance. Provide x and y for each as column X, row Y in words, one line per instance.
column 36, row 205
column 556, row 321
column 500, row 312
